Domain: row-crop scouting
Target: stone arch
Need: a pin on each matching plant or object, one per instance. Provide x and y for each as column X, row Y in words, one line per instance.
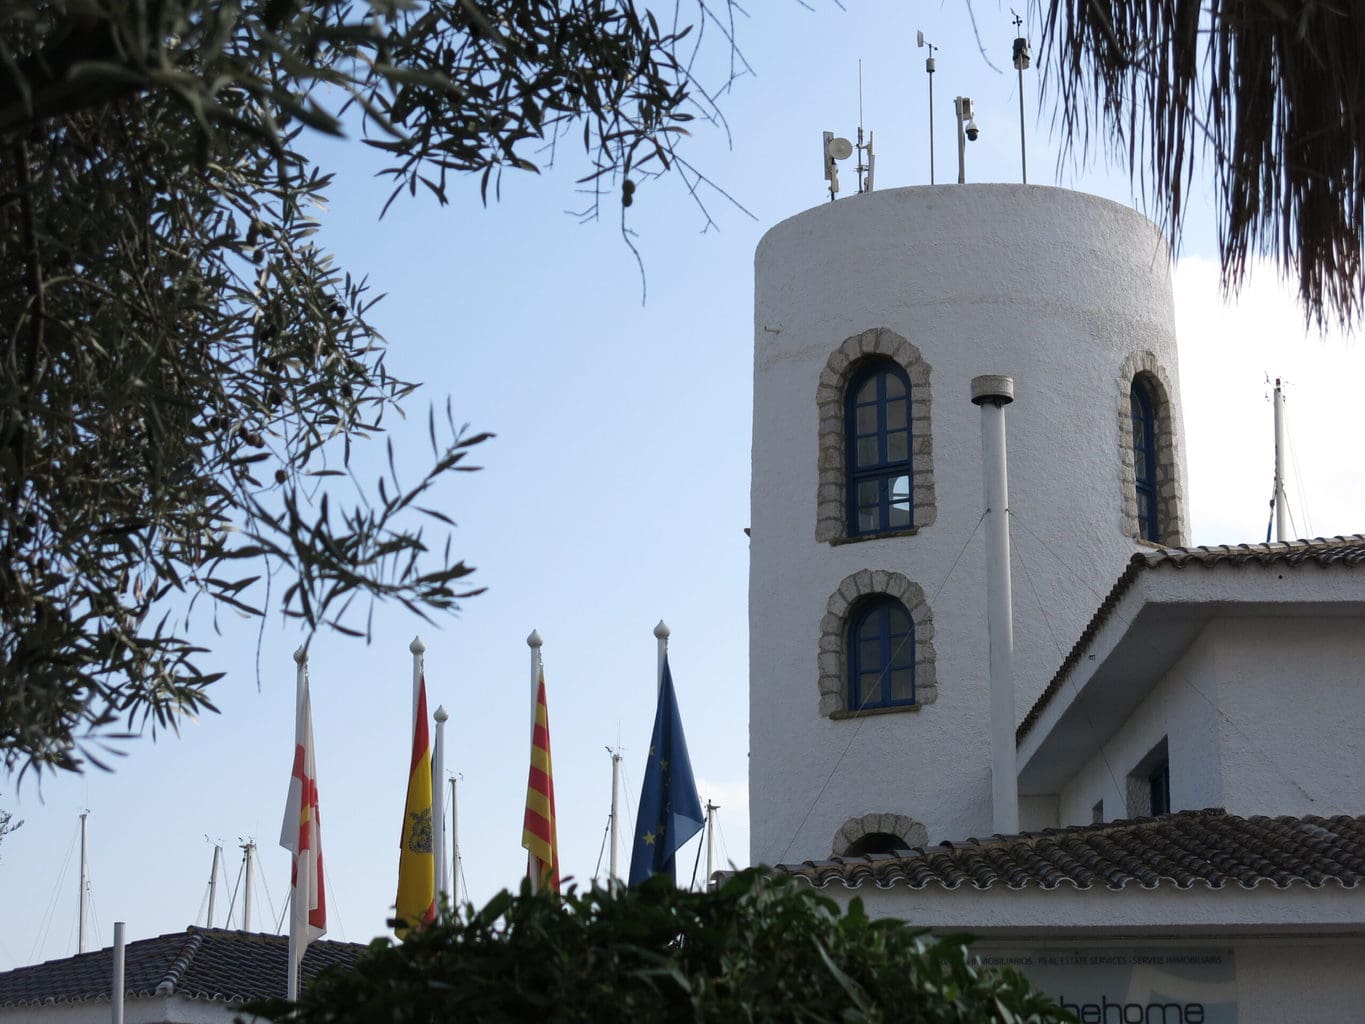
column 903, row 827
column 833, row 668
column 831, row 516
column 1170, row 488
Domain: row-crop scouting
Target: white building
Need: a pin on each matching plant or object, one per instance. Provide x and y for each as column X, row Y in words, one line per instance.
column 1225, row 678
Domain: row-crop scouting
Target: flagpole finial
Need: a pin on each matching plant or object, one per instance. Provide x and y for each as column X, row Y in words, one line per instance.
column 441, row 716
column 534, row 639
column 417, row 647
column 301, row 655
column 661, row 631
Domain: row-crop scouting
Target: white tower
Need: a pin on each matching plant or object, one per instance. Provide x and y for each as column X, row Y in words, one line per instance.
column 869, row 696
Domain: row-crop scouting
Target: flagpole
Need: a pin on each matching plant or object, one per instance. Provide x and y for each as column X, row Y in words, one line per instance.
column 661, row 634
column 438, row 811
column 711, row 810
column 295, row 931
column 418, row 649
column 534, row 641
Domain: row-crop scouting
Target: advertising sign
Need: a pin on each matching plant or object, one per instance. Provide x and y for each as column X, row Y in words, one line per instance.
column 1133, row 986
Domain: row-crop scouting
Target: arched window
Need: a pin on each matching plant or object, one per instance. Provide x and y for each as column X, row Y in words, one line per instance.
column 881, row 655
column 1144, row 460
column 877, row 457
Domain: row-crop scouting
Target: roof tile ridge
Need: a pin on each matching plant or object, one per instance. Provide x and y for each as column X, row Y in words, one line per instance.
column 194, row 938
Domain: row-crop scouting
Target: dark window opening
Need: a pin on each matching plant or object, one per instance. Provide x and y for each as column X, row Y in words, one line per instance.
column 877, row 455
column 1144, row 459
column 1149, row 783
column 876, row 842
column 881, row 655
column 1159, row 788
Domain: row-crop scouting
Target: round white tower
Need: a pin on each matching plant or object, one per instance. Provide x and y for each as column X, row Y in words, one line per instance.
column 869, row 696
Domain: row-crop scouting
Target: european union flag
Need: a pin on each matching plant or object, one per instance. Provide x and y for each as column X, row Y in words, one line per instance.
column 670, row 812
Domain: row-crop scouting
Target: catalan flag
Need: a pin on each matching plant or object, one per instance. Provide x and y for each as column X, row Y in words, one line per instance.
column 416, row 903
column 538, row 829
column 670, row 811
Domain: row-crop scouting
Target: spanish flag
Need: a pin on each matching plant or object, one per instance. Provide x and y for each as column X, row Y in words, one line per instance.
column 416, row 864
column 538, row 829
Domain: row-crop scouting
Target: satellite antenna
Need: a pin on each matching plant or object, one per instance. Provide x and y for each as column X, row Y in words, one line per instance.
column 866, row 158
column 835, row 149
column 929, row 68
column 1021, row 62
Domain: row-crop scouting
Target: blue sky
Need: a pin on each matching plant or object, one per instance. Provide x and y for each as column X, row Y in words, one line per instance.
column 615, row 493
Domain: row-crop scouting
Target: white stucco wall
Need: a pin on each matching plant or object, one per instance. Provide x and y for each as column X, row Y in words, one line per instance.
column 146, row 1010
column 1293, row 695
column 1261, row 715
column 1298, row 951
column 1054, row 288
column 1181, row 709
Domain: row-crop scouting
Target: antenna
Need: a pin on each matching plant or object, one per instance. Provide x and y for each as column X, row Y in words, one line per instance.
column 929, row 68
column 866, row 158
column 834, row 149
column 1021, row 63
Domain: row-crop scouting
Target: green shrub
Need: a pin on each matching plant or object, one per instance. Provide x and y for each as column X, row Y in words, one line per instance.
column 756, row 950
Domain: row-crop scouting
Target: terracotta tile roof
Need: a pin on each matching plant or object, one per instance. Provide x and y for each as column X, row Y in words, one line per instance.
column 201, row 963
column 1191, row 848
column 1324, row 551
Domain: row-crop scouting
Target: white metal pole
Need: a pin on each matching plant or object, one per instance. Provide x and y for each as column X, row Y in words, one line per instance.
column 116, row 985
column 661, row 634
column 961, row 143
column 534, row 642
column 711, row 810
column 249, row 850
column 929, row 66
column 454, row 843
column 1281, row 502
column 438, row 811
column 612, row 877
column 993, row 393
column 298, row 912
column 85, row 885
column 213, row 881
column 418, row 649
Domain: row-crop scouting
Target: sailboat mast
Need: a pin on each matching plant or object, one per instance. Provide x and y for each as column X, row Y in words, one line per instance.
column 213, row 881
column 711, row 810
column 612, row 875
column 1281, row 504
column 85, row 887
column 455, row 865
column 249, row 850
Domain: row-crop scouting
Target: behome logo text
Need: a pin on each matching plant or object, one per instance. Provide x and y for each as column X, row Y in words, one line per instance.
column 1105, row 1012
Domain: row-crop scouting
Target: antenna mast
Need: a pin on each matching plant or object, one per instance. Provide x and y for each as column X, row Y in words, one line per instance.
column 1279, row 501
column 1021, row 61
column 866, row 158
column 929, row 67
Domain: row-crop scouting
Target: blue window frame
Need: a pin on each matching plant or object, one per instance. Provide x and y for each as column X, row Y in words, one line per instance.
column 881, row 655
column 877, row 454
column 1144, row 460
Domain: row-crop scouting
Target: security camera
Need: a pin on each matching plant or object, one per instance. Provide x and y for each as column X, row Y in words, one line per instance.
column 972, row 130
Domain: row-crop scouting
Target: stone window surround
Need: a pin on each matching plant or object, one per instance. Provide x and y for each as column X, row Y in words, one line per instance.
column 906, row 828
column 1170, row 497
column 831, row 504
column 833, row 654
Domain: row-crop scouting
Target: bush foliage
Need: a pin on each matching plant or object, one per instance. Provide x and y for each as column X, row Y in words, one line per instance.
column 756, row 949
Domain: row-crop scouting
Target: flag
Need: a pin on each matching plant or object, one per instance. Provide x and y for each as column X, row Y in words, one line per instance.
column 670, row 811
column 538, row 833
column 416, row 904
column 301, row 832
